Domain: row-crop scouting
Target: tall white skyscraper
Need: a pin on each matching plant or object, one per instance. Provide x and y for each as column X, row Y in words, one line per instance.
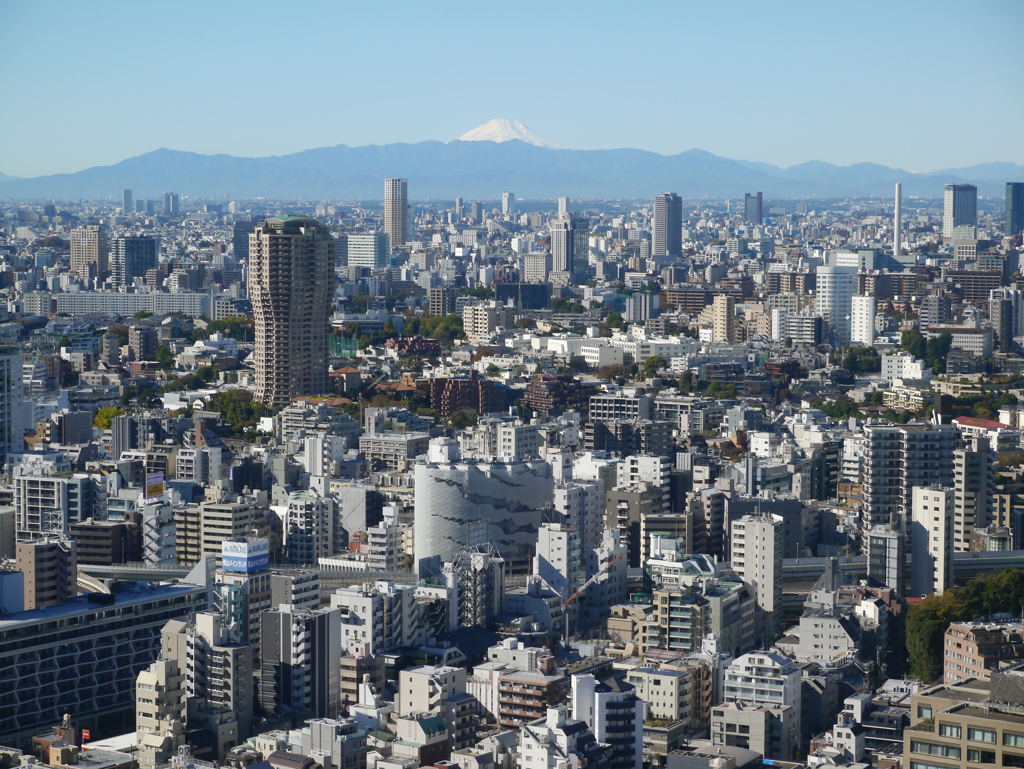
column 862, row 320
column 931, row 540
column 667, row 238
column 563, row 206
column 960, row 208
column 508, row 204
column 396, row 211
column 836, row 287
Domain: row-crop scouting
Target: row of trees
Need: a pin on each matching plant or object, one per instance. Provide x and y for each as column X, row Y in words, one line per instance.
column 981, row 597
column 933, row 351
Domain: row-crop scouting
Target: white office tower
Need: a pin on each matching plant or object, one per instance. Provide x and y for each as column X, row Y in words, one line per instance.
column 508, row 204
column 581, row 504
column 563, row 206
column 462, row 503
column 931, row 541
column 862, row 320
column 11, row 400
column 159, row 713
column 218, row 672
column 396, row 212
column 960, row 209
column 614, row 714
column 897, row 223
column 836, row 288
column 367, row 249
column 756, row 556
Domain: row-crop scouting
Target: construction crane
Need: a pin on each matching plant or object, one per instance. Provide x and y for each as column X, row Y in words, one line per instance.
column 596, row 578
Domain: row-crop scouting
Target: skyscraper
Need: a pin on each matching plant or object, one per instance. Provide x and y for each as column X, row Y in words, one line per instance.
column 960, row 208
column 752, row 210
column 508, row 204
column 836, row 287
column 570, row 247
column 89, row 246
column 563, row 206
column 291, row 281
column 756, row 556
column 170, row 203
column 396, row 211
column 668, row 225
column 132, row 256
column 1014, row 208
column 127, row 206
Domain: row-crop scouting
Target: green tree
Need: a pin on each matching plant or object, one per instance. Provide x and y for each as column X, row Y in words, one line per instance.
column 614, row 320
column 164, row 356
column 142, row 315
column 912, row 341
column 654, row 364
column 460, row 420
column 105, row 416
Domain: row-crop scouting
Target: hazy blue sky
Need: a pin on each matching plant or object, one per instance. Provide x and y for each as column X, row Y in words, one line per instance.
column 918, row 85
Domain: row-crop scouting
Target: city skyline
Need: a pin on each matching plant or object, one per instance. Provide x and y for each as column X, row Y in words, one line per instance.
column 685, row 105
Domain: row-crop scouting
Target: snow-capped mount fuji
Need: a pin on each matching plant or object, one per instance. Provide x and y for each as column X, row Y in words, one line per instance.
column 504, row 130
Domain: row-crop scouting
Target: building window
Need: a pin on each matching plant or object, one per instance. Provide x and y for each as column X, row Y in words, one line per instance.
column 932, row 749
column 950, row 730
column 981, row 735
column 1012, row 740
column 924, row 711
column 975, row 756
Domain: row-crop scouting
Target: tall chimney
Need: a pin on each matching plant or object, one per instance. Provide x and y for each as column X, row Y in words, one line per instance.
column 897, row 224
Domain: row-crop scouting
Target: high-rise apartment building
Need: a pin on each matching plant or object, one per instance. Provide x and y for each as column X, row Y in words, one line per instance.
column 931, row 541
column 862, row 320
column 753, row 210
column 127, row 206
column 131, row 257
column 836, row 288
column 508, row 204
column 396, row 212
column 896, row 459
column 667, row 238
column 89, row 246
column 367, row 249
column 724, row 325
column 217, row 670
column 291, row 283
column 756, row 555
column 1006, row 311
column 570, row 247
column 959, row 209
column 974, row 486
column 300, row 667
column 1014, row 223
column 50, row 567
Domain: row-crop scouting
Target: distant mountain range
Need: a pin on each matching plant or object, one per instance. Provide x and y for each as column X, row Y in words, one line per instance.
column 482, row 169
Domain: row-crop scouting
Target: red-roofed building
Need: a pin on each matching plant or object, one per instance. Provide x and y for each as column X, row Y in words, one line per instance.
column 1000, row 437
